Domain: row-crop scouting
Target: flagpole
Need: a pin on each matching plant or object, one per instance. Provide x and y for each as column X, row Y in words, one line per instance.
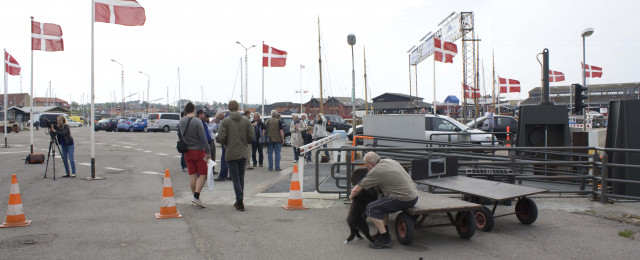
column 31, row 103
column 92, row 130
column 263, row 80
column 493, row 79
column 6, row 97
column 434, row 84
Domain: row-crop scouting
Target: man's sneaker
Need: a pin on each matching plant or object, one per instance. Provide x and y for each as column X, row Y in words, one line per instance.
column 383, row 241
column 377, row 234
column 239, row 206
column 220, row 179
column 197, row 202
column 184, row 170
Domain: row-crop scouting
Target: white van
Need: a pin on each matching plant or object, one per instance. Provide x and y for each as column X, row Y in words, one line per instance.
column 163, row 122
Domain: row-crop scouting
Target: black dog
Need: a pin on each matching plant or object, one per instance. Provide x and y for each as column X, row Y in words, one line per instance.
column 357, row 219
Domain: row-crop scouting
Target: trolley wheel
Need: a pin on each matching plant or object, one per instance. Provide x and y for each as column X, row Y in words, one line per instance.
column 405, row 226
column 465, row 224
column 526, row 211
column 484, row 219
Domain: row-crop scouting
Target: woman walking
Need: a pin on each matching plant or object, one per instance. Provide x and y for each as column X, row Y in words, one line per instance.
column 63, row 133
column 297, row 128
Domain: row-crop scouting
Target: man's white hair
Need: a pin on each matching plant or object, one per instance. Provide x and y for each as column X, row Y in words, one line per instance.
column 371, row 158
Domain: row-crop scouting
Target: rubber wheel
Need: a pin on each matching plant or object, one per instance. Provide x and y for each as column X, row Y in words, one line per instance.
column 405, row 227
column 465, row 224
column 287, row 140
column 145, row 129
column 526, row 211
column 484, row 219
column 166, row 129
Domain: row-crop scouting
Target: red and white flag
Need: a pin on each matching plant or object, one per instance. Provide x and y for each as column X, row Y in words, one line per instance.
column 123, row 12
column 555, row 76
column 46, row 37
column 11, row 65
column 272, row 57
column 444, row 51
column 471, row 93
column 591, row 71
column 508, row 85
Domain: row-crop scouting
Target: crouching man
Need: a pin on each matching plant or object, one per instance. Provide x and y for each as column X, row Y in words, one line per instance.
column 397, row 187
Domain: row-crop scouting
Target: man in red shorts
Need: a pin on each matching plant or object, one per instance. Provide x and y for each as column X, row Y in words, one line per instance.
column 198, row 151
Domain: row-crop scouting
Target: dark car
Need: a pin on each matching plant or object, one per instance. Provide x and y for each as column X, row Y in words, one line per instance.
column 108, row 125
column 359, row 131
column 500, row 123
column 336, row 122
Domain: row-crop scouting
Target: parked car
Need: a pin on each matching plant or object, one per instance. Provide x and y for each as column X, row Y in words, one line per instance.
column 163, row 122
column 124, row 124
column 108, row 124
column 286, row 120
column 140, row 125
column 80, row 119
column 336, row 122
column 74, row 123
column 359, row 131
column 51, row 118
column 500, row 125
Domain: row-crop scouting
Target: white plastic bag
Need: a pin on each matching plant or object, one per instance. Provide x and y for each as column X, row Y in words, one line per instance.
column 210, row 181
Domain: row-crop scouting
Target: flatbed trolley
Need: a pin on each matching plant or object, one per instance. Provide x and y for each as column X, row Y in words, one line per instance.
column 525, row 209
column 413, row 218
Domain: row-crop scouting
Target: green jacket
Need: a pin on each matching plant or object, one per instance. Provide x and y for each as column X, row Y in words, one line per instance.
column 235, row 133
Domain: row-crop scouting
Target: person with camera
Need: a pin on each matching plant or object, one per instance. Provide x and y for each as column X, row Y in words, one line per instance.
column 62, row 131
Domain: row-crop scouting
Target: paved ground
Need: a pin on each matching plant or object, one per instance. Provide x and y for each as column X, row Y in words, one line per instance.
column 114, row 218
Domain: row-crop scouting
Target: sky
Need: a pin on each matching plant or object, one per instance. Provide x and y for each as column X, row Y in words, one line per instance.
column 199, row 38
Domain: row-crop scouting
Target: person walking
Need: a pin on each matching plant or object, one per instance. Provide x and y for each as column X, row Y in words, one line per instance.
column 320, row 130
column 63, row 133
column 258, row 144
column 235, row 133
column 202, row 115
column 297, row 128
column 247, row 114
column 198, row 151
column 183, row 163
column 275, row 133
column 224, row 169
column 212, row 144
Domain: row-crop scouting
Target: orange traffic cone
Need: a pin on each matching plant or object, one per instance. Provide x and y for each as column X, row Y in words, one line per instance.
column 15, row 212
column 168, row 205
column 295, row 195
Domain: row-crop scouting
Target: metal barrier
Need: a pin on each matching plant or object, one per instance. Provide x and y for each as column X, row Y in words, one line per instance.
column 313, row 146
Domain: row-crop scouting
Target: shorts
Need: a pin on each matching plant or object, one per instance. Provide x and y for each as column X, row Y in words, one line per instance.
column 387, row 205
column 195, row 162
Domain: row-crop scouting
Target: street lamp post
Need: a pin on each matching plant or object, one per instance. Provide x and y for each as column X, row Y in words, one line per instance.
column 122, row 83
column 351, row 40
column 148, row 89
column 586, row 33
column 246, row 74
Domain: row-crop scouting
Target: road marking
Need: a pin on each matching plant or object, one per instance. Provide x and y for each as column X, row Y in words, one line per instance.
column 115, row 145
column 113, row 169
column 157, row 173
column 85, row 164
column 161, row 154
column 86, row 142
column 178, row 156
column 138, row 149
column 18, row 145
column 43, row 149
column 129, row 147
column 147, row 151
column 14, row 152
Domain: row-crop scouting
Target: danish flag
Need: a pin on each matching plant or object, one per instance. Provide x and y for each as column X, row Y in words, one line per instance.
column 11, row 65
column 444, row 51
column 591, row 71
column 46, row 37
column 555, row 76
column 508, row 85
column 471, row 93
column 123, row 12
column 272, row 57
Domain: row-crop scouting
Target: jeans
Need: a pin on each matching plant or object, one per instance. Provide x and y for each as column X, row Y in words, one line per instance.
column 296, row 153
column 257, row 147
column 67, row 152
column 236, row 170
column 183, row 162
column 271, row 148
column 224, row 169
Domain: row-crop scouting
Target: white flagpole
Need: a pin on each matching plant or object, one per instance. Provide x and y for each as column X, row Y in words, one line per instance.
column 31, row 126
column 434, row 83
column 262, row 65
column 93, row 132
column 6, row 97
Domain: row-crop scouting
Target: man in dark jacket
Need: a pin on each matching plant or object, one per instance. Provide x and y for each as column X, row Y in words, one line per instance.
column 256, row 145
column 235, row 133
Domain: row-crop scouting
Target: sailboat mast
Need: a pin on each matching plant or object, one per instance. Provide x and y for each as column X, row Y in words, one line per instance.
column 179, row 91
column 320, row 67
column 493, row 79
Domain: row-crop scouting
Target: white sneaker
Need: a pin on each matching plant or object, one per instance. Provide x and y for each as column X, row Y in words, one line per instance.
column 198, row 203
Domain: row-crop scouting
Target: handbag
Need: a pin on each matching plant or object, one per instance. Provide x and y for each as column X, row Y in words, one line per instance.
column 181, row 146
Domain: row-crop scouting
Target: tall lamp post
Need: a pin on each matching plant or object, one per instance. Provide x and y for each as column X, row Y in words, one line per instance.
column 246, row 74
column 351, row 40
column 586, row 33
column 121, row 83
column 148, row 89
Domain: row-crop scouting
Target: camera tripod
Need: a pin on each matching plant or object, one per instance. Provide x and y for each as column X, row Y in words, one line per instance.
column 53, row 143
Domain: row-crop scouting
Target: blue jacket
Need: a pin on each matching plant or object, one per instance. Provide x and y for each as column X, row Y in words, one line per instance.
column 204, row 124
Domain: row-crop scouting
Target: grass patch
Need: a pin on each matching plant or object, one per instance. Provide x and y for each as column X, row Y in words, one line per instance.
column 626, row 233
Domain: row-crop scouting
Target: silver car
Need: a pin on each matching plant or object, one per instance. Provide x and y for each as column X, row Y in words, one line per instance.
column 163, row 122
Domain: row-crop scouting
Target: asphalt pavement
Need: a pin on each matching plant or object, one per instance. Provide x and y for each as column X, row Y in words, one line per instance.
column 114, row 218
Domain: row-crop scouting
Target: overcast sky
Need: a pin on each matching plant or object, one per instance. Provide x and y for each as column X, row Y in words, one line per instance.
column 200, row 38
